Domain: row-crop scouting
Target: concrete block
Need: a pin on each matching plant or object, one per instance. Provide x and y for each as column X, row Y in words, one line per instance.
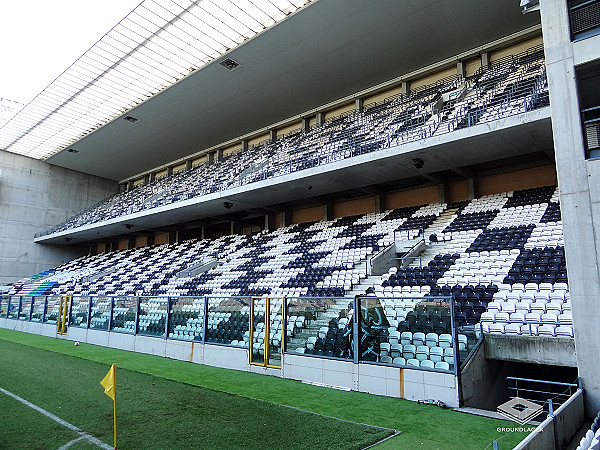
column 181, row 350
column 98, row 337
column 121, row 341
column 150, row 345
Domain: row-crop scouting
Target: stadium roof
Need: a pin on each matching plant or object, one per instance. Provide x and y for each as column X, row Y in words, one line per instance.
column 327, row 50
column 157, row 44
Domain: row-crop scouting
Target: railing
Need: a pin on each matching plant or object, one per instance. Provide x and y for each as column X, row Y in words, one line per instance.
column 591, row 129
column 365, row 330
column 549, row 394
column 584, row 18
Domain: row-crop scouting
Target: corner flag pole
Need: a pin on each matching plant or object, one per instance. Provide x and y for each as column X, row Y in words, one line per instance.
column 109, row 383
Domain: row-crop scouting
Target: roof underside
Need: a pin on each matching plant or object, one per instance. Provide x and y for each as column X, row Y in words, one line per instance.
column 327, row 50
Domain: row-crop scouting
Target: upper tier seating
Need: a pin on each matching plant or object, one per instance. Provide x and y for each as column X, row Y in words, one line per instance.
column 510, row 86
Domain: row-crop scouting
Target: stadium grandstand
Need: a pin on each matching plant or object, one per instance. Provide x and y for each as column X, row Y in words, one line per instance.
column 398, row 198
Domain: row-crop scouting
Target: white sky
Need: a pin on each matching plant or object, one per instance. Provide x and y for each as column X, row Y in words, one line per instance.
column 39, row 39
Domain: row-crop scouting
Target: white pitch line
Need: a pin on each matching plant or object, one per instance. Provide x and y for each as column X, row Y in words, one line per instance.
column 62, row 422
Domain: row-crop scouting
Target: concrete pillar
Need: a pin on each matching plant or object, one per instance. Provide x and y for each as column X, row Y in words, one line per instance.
column 579, row 183
column 188, row 164
column 152, row 176
column 270, row 221
column 130, row 185
column 211, row 157
column 405, row 88
column 380, row 203
column 320, row 118
column 485, row 60
column 122, row 187
column 131, row 242
column 328, row 210
column 146, row 179
column 150, row 240
column 305, row 123
column 169, row 171
column 272, row 135
column 236, row 226
column 471, row 188
column 172, row 238
column 461, row 69
column 286, row 217
column 245, row 145
column 219, row 154
column 203, row 232
column 359, row 104
column 442, row 193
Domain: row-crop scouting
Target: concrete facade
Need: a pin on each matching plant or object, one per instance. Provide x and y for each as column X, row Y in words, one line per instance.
column 375, row 379
column 34, row 196
column 579, row 182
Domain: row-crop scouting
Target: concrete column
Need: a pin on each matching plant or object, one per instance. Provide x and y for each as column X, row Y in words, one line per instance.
column 461, row 69
column 471, row 188
column 305, row 123
column 146, row 179
column 130, row 185
column 286, row 217
column 236, row 226
column 328, row 210
column 359, row 104
column 405, row 88
column 122, row 187
column 150, row 240
column 442, row 193
column 219, row 154
column 131, row 242
column 272, row 135
column 579, row 182
column 245, row 145
column 380, row 203
column 270, row 221
column 203, row 232
column 169, row 171
column 320, row 118
column 211, row 157
column 188, row 164
column 152, row 176
column 485, row 60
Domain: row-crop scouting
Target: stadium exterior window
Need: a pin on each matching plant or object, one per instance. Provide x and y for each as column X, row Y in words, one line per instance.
column 588, row 86
column 584, row 16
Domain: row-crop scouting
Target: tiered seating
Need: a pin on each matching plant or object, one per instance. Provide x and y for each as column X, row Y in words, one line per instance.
column 591, row 439
column 504, row 265
column 508, row 87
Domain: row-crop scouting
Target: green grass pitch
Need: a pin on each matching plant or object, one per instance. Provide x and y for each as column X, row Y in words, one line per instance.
column 169, row 404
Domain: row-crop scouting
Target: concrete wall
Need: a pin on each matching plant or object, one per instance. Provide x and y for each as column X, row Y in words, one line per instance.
column 35, row 196
column 551, row 351
column 374, row 379
column 558, row 431
column 579, row 182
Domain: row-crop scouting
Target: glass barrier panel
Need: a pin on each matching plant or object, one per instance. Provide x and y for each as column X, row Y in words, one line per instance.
column 186, row 320
column 13, row 307
column 3, row 303
column 52, row 309
column 153, row 316
column 228, row 321
column 466, row 316
column 275, row 319
column 100, row 313
column 39, row 306
column 25, row 307
column 123, row 315
column 406, row 331
column 319, row 326
column 258, row 329
column 80, row 308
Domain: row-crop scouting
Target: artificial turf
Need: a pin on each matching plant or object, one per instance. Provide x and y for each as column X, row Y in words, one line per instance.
column 421, row 426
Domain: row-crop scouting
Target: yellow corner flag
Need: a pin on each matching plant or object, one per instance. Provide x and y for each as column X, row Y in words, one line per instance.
column 109, row 383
